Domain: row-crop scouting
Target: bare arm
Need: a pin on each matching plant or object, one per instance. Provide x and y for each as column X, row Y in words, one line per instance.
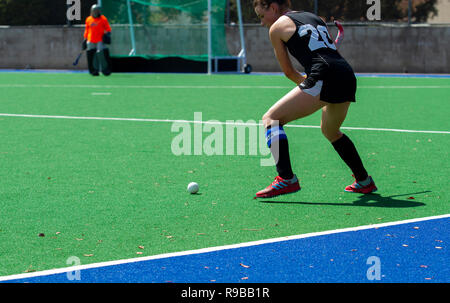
column 278, row 34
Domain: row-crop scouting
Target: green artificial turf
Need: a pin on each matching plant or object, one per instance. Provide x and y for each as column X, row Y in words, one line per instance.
column 105, row 190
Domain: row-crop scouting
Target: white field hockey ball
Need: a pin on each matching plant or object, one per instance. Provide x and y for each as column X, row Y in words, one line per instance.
column 192, row 188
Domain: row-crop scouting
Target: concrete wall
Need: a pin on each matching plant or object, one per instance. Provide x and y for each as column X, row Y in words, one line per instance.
column 417, row 49
column 388, row 49
column 40, row 47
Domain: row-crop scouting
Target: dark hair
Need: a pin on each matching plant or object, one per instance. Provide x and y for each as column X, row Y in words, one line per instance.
column 267, row 3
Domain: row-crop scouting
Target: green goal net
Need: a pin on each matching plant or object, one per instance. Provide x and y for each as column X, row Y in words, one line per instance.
column 154, row 29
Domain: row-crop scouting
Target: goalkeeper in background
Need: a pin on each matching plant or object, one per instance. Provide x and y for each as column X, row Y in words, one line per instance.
column 96, row 35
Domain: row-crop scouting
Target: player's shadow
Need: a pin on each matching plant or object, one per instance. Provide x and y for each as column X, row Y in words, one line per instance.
column 368, row 200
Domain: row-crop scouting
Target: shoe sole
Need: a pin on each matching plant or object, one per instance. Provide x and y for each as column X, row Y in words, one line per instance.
column 355, row 192
column 292, row 192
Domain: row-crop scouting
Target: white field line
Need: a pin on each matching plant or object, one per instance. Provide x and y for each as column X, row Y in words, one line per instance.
column 100, row 94
column 215, row 123
column 207, row 86
column 213, row 249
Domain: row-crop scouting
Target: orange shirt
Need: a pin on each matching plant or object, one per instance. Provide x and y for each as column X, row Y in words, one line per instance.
column 95, row 28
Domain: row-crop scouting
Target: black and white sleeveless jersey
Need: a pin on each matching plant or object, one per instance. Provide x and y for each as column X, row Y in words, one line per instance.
column 311, row 43
column 328, row 73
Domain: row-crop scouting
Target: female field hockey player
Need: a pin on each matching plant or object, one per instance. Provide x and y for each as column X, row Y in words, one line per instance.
column 330, row 85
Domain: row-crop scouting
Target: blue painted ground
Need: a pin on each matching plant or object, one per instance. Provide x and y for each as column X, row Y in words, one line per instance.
column 380, row 75
column 413, row 252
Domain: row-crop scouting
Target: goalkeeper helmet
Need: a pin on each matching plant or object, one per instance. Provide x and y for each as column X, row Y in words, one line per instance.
column 95, row 11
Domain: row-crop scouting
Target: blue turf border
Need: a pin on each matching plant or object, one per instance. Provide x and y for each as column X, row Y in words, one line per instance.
column 406, row 253
column 366, row 75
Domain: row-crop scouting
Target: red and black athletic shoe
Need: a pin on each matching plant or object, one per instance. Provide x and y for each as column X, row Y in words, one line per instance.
column 278, row 187
column 362, row 189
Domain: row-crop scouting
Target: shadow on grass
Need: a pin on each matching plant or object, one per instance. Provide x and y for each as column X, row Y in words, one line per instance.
column 368, row 200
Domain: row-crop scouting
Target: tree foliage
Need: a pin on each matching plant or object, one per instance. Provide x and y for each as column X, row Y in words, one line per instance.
column 53, row 12
column 349, row 10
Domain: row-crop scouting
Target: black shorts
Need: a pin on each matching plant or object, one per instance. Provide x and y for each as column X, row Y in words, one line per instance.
column 335, row 83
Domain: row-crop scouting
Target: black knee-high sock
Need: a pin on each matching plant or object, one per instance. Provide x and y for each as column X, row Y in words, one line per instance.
column 347, row 151
column 279, row 148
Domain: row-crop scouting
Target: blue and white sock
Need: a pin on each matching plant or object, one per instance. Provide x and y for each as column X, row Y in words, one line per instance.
column 278, row 143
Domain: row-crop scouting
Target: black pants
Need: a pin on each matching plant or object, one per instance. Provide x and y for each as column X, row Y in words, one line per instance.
column 97, row 60
column 90, row 54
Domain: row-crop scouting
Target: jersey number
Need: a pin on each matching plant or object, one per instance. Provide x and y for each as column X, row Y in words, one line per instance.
column 320, row 38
